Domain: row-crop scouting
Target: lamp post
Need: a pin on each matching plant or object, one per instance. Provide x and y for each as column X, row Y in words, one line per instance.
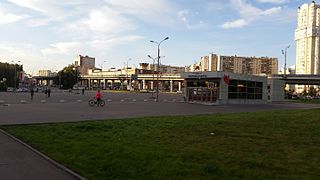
column 128, row 80
column 15, row 74
column 284, row 52
column 101, row 65
column 152, row 76
column 158, row 43
column 75, row 68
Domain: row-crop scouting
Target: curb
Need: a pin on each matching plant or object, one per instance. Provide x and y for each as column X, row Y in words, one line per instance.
column 55, row 163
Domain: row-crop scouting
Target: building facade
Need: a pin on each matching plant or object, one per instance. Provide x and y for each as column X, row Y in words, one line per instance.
column 225, row 88
column 84, row 63
column 307, row 39
column 307, row 36
column 46, row 73
column 236, row 64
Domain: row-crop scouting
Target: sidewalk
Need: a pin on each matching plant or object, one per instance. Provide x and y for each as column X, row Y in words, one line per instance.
column 19, row 162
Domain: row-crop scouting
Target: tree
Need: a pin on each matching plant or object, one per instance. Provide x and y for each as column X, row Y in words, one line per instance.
column 9, row 72
column 67, row 77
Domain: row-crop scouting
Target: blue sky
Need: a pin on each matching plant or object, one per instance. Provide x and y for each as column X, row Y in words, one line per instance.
column 48, row 34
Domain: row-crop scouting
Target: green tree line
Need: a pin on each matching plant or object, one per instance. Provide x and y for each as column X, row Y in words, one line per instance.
column 67, row 77
column 9, row 75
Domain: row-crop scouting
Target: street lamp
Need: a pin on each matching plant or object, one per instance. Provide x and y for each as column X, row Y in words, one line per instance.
column 284, row 52
column 75, row 68
column 15, row 73
column 101, row 65
column 158, row 43
column 129, row 81
column 152, row 75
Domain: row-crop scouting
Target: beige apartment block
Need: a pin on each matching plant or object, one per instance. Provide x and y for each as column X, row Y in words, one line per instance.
column 237, row 64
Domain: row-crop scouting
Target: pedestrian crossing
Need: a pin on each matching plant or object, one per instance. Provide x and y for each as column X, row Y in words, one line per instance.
column 126, row 100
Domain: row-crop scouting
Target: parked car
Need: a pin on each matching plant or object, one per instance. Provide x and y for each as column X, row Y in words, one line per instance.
column 10, row 89
column 294, row 96
column 308, row 97
column 19, row 90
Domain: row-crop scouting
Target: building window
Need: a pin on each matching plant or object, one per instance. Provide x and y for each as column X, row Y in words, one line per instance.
column 239, row 89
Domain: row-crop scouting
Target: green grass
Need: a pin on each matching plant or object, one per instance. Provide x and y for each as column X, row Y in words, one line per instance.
column 262, row 145
column 307, row 101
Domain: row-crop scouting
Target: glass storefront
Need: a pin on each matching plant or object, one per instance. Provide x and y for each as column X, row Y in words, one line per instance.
column 240, row 89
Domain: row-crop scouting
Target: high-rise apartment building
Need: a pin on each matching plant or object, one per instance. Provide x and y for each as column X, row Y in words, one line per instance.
column 236, row 64
column 307, row 37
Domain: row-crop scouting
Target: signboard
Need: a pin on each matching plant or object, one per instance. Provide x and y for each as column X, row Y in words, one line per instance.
column 197, row 76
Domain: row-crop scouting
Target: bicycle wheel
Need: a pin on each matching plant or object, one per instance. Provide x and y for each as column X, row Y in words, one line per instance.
column 102, row 102
column 91, row 102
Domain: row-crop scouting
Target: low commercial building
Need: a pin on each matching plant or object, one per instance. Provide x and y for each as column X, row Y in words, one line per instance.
column 225, row 88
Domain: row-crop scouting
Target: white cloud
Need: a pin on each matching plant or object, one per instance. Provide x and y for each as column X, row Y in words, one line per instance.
column 62, row 48
column 249, row 14
column 107, row 20
column 235, row 24
column 216, row 6
column 6, row 16
column 105, row 42
column 44, row 6
column 273, row 1
column 158, row 12
column 27, row 54
column 271, row 11
column 10, row 18
column 183, row 16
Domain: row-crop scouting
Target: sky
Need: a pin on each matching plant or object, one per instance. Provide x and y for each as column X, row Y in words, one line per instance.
column 49, row 34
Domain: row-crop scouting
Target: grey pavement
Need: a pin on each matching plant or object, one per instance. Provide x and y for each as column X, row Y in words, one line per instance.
column 19, row 162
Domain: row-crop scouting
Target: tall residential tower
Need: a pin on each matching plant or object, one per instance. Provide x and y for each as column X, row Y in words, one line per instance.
column 307, row 36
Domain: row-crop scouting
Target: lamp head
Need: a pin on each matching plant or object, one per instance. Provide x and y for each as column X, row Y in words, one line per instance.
column 166, row 38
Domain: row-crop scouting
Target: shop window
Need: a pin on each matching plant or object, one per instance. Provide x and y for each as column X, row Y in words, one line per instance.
column 239, row 89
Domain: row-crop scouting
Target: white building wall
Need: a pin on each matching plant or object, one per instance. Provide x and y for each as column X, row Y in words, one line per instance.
column 276, row 90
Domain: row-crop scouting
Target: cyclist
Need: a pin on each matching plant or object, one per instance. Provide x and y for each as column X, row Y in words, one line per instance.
column 98, row 97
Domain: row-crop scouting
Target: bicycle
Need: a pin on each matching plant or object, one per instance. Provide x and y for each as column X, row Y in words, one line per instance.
column 94, row 101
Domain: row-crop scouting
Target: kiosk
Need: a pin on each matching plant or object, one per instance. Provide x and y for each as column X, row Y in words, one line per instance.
column 224, row 88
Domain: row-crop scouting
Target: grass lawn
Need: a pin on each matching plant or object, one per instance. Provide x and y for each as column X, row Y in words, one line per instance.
column 307, row 101
column 262, row 145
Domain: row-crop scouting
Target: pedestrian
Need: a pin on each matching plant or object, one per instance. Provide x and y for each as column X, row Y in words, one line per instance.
column 49, row 91
column 32, row 93
column 83, row 91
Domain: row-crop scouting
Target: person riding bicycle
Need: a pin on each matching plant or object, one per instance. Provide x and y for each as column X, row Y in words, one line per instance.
column 98, row 96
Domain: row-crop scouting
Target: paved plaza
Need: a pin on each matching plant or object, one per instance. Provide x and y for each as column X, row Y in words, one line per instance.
column 19, row 162
column 17, row 108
